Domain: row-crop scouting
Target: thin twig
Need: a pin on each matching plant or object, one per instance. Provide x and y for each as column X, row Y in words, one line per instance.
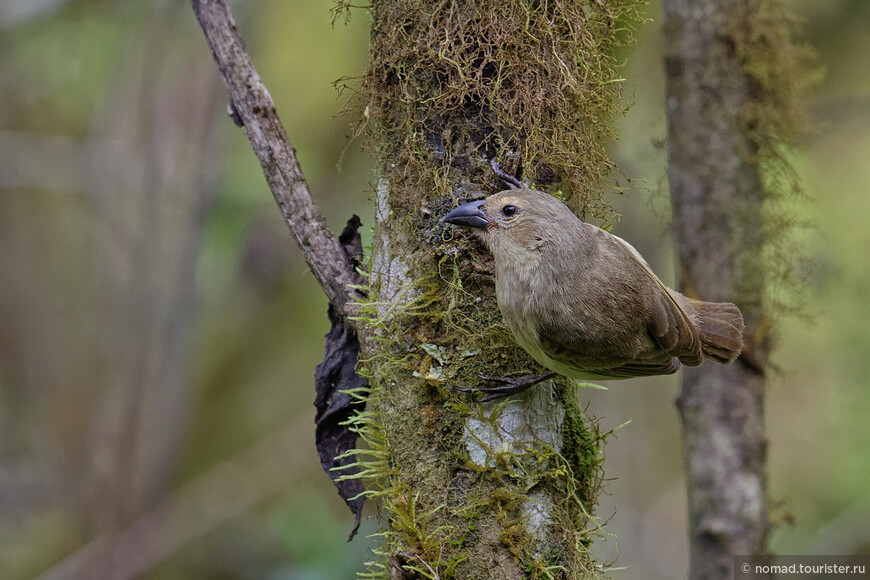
column 253, row 107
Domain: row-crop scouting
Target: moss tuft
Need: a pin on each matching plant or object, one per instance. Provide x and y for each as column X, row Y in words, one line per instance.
column 532, row 85
column 780, row 71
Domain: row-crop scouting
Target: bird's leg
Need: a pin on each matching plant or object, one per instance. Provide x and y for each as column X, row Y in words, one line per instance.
column 507, row 385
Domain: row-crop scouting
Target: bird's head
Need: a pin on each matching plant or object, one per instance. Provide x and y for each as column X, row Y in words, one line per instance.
column 517, row 223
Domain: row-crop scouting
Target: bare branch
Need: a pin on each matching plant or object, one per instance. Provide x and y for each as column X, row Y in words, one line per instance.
column 253, row 107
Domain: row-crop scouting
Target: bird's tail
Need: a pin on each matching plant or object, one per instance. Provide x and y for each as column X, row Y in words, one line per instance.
column 720, row 326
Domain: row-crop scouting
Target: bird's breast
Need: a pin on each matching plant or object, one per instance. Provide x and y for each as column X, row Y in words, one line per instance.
column 522, row 299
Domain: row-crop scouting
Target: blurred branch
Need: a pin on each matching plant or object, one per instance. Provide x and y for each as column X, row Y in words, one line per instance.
column 227, row 491
column 252, row 107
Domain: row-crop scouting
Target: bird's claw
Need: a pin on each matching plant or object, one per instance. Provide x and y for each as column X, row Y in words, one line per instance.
column 506, row 385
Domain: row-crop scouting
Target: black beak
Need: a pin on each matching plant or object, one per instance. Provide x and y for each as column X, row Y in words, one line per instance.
column 469, row 215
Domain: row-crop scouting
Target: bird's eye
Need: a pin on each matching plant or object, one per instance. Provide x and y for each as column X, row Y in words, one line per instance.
column 509, row 210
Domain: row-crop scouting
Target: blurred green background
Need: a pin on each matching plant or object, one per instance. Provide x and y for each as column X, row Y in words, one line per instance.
column 159, row 330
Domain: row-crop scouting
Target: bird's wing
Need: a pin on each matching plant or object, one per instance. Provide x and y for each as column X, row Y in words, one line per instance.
column 669, row 324
column 639, row 369
column 570, row 357
column 670, row 334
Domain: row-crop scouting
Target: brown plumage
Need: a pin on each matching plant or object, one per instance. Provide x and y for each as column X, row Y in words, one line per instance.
column 583, row 302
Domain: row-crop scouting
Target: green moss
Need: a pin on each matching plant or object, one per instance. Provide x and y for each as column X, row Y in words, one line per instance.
column 533, row 85
column 581, row 447
column 774, row 118
column 418, row 531
column 451, row 87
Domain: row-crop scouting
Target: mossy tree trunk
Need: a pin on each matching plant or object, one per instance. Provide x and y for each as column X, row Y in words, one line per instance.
column 496, row 490
column 731, row 75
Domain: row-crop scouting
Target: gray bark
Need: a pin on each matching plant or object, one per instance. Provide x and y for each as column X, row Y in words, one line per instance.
column 717, row 194
column 252, row 107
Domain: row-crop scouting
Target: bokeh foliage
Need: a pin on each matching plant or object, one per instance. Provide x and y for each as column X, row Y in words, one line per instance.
column 98, row 95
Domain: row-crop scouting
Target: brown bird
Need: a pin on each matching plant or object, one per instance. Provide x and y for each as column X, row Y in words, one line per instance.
column 583, row 302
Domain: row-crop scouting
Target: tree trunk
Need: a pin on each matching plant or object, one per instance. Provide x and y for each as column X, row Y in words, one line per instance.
column 718, row 187
column 503, row 489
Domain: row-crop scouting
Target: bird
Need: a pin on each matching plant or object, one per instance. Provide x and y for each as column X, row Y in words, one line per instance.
column 583, row 302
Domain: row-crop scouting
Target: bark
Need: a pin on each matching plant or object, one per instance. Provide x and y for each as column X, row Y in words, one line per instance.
column 252, row 107
column 717, row 197
column 333, row 260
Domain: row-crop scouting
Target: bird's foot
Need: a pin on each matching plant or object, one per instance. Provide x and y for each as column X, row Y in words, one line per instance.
column 506, row 385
